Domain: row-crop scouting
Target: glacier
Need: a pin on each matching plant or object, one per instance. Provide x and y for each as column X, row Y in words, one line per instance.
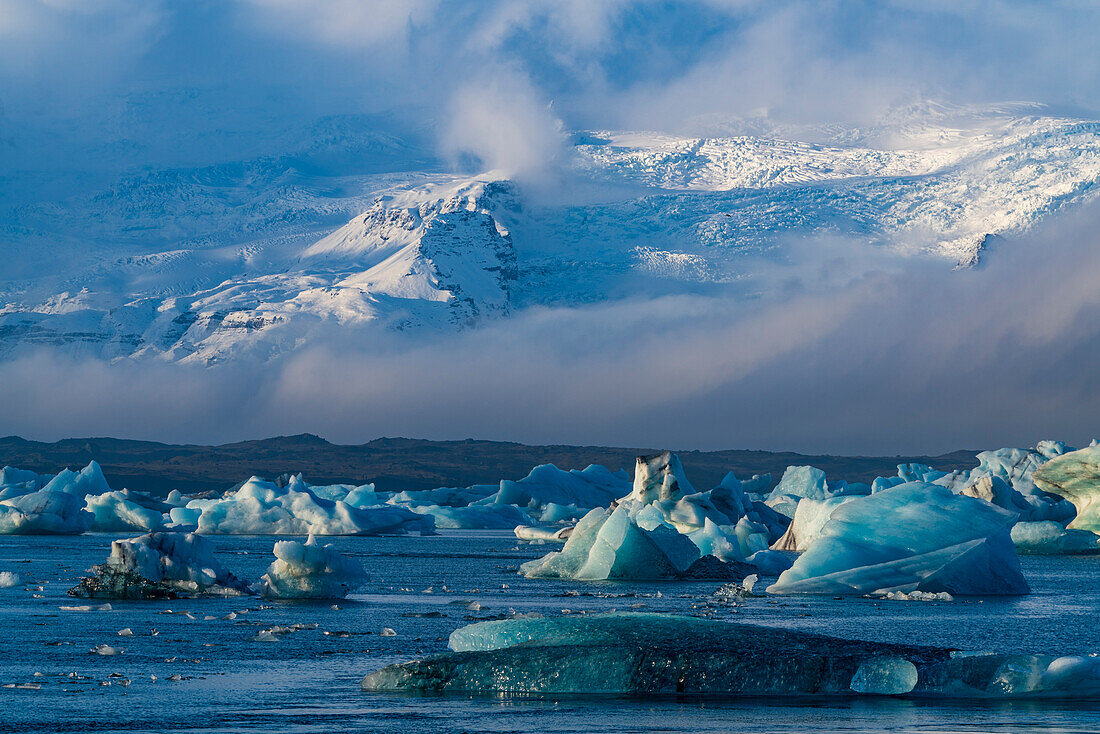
column 309, row 571
column 913, row 537
column 159, row 565
column 259, row 256
column 632, row 654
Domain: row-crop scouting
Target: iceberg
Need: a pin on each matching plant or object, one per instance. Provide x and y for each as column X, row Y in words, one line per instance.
column 1047, row 537
column 1076, row 477
column 480, row 517
column 663, row 530
column 44, row 512
column 309, row 571
column 119, row 511
column 159, row 565
column 913, row 537
column 631, row 654
column 259, row 507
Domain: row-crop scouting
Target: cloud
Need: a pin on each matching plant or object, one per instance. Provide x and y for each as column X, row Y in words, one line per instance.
column 925, row 359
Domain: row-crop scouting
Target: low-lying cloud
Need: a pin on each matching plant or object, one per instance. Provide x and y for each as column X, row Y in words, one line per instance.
column 925, row 359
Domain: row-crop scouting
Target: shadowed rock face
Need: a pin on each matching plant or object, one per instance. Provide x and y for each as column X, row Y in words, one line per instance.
column 1075, row 476
column 645, row 654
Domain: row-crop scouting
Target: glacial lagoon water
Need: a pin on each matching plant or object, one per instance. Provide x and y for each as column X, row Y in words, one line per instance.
column 212, row 676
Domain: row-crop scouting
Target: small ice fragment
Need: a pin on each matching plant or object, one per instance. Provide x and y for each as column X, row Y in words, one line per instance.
column 105, row 650
column 209, row 618
column 126, row 632
column 87, row 608
column 335, row 607
column 9, row 579
column 265, row 636
column 387, row 632
column 749, row 582
column 29, row 686
column 474, row 606
column 891, row 676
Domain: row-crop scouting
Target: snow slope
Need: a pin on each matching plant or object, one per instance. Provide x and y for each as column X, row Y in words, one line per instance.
column 352, row 227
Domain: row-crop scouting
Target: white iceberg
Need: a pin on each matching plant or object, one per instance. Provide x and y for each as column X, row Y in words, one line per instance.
column 119, row 511
column 159, row 565
column 309, row 571
column 913, row 537
column 260, row 507
column 44, row 512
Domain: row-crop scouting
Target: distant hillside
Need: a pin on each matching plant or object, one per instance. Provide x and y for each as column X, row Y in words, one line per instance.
column 404, row 463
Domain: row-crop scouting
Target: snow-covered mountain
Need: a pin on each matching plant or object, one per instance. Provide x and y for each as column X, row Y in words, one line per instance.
column 357, row 228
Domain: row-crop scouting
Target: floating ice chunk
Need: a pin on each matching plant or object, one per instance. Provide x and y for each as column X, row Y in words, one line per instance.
column 917, row 596
column 87, row 608
column 1075, row 476
column 9, row 579
column 259, row 507
column 888, row 676
column 309, row 571
column 1050, row 538
column 548, row 493
column 106, row 650
column 125, row 632
column 387, row 632
column 526, row 532
column 159, row 565
column 479, row 517
column 633, row 654
column 913, row 537
column 116, row 511
column 44, row 512
column 624, row 543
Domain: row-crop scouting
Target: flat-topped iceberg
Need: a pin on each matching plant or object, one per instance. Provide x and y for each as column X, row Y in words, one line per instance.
column 309, row 571
column 912, row 537
column 630, row 654
column 159, row 565
column 1075, row 476
column 260, row 507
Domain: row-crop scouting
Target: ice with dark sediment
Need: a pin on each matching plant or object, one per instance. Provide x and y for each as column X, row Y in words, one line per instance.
column 159, row 565
column 631, row 654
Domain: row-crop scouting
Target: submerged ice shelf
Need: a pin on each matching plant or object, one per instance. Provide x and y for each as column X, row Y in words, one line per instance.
column 631, row 654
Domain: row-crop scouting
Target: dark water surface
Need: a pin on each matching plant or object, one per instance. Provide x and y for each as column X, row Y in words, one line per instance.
column 309, row 681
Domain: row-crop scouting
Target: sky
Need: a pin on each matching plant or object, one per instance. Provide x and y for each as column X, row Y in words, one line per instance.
column 891, row 362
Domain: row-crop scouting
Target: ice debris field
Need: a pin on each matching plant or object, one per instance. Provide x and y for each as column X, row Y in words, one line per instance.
column 921, row 539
